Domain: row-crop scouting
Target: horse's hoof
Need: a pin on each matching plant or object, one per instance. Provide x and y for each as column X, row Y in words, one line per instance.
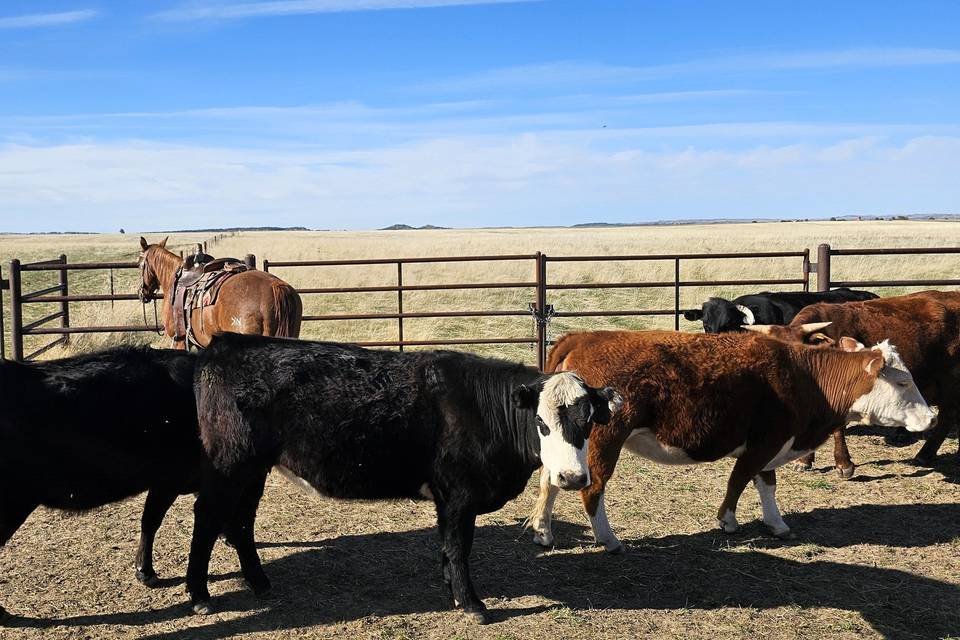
column 543, row 539
column 148, row 579
column 203, row 608
column 846, row 472
column 803, row 466
column 477, row 616
column 614, row 548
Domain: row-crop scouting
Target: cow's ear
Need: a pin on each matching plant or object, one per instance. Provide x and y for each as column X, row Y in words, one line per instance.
column 875, row 364
column 143, row 243
column 850, row 345
column 606, row 402
column 820, row 338
column 525, row 396
column 693, row 314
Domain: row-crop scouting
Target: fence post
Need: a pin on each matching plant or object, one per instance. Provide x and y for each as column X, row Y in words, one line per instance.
column 64, row 304
column 400, row 303
column 16, row 312
column 676, row 294
column 806, row 269
column 823, row 267
column 3, row 332
column 541, row 309
column 266, row 266
column 250, row 260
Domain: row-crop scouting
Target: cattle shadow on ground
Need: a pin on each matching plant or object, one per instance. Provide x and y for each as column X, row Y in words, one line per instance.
column 383, row 574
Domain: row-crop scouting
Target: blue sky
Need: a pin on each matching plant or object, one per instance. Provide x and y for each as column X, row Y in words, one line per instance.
column 361, row 113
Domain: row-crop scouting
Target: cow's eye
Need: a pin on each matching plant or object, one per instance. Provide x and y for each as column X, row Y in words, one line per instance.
column 903, row 385
column 544, row 429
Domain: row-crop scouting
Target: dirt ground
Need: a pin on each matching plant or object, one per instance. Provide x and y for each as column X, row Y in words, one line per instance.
column 875, row 557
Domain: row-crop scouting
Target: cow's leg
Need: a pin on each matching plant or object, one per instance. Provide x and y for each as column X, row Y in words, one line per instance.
column 456, row 526
column 12, row 516
column 841, row 455
column 155, row 507
column 241, row 535
column 748, row 465
column 207, row 524
column 766, row 484
column 805, row 462
column 540, row 519
column 946, row 420
column 604, row 452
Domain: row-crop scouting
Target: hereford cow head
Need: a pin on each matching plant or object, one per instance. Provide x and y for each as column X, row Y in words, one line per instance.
column 566, row 410
column 721, row 316
column 894, row 400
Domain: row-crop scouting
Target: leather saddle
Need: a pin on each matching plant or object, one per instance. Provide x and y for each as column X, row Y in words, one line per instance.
column 196, row 286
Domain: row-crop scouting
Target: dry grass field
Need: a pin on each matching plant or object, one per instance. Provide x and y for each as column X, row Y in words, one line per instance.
column 876, row 557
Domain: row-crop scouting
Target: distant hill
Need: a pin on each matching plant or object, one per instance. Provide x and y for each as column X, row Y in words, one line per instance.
column 222, row 229
column 406, row 227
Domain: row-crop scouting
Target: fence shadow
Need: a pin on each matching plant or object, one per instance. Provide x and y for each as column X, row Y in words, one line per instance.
column 382, row 574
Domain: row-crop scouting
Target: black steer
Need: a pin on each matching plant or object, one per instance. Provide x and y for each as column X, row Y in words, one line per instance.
column 81, row 432
column 464, row 431
column 720, row 315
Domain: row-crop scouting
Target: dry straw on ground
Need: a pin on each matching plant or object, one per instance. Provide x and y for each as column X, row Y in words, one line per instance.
column 876, row 557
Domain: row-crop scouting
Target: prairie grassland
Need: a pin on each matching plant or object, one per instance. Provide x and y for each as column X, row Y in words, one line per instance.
column 337, row 245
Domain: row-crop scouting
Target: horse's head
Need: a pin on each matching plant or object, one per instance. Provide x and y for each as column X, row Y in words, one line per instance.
column 149, row 280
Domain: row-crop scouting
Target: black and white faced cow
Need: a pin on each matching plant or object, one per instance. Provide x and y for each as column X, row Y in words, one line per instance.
column 81, row 432
column 464, row 431
column 720, row 315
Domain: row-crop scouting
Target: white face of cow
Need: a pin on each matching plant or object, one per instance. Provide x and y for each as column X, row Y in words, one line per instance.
column 566, row 410
column 894, row 400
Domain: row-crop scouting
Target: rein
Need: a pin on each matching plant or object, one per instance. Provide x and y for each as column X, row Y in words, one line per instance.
column 145, row 297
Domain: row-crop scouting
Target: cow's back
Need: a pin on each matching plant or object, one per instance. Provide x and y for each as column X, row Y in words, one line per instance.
column 95, row 429
column 678, row 384
column 924, row 326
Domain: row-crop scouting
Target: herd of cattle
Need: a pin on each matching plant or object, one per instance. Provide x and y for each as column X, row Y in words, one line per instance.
column 467, row 432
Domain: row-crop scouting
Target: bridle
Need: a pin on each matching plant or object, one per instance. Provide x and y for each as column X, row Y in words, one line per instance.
column 148, row 296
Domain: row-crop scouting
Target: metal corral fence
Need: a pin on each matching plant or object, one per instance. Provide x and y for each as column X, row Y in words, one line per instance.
column 540, row 285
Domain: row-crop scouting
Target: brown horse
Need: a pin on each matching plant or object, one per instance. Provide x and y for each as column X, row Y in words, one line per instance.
column 249, row 302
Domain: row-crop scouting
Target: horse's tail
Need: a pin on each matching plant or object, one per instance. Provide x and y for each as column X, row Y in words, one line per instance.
column 289, row 309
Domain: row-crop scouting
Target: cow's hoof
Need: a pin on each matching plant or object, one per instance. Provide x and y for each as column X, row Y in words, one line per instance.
column 148, row 579
column 477, row 616
column 846, row 472
column 782, row 533
column 264, row 590
column 925, row 459
column 543, row 539
column 203, row 608
column 803, row 466
column 3, row 615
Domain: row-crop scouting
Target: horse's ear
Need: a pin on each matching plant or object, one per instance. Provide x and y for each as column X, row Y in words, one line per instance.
column 143, row 243
column 163, row 243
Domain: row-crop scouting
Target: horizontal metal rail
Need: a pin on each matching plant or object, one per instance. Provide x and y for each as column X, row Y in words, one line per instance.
column 97, row 329
column 77, row 266
column 36, row 323
column 27, row 297
column 416, row 314
column 895, row 283
column 604, row 314
column 440, row 343
column 669, row 283
column 105, row 297
column 901, row 251
column 376, row 261
column 421, row 287
column 675, row 256
column 42, row 350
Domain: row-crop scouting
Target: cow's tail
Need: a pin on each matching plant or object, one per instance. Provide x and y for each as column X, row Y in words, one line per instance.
column 224, row 431
column 558, row 354
column 288, row 308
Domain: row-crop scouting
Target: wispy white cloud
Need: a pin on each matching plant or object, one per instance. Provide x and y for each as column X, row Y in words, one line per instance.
column 300, row 7
column 578, row 73
column 47, row 19
column 527, row 178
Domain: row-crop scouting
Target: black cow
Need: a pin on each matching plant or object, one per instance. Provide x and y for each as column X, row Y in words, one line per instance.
column 464, row 431
column 720, row 315
column 81, row 432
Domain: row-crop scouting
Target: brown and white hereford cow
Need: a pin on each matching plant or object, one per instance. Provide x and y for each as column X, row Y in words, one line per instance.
column 925, row 327
column 691, row 398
